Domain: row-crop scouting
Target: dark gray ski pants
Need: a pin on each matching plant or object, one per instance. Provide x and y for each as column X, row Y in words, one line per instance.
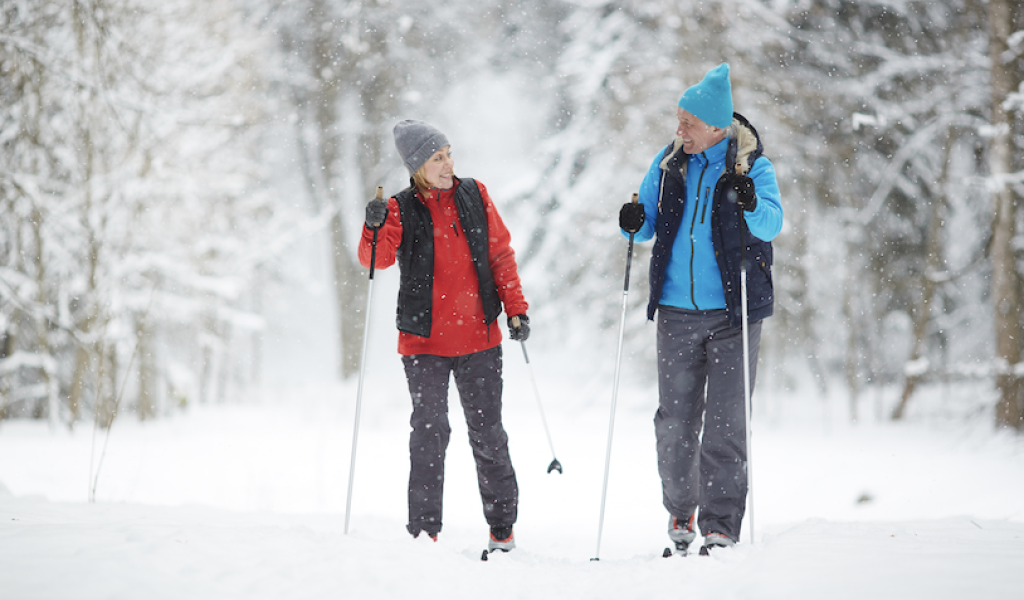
column 700, row 385
column 478, row 379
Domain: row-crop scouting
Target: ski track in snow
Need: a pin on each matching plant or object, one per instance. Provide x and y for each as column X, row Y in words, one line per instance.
column 247, row 501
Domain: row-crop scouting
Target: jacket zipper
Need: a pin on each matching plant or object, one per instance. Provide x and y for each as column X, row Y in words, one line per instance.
column 451, row 252
column 693, row 224
column 707, row 200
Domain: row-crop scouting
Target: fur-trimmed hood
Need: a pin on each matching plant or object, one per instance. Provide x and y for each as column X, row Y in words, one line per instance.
column 743, row 140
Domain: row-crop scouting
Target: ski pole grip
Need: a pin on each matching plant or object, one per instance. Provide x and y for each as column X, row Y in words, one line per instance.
column 378, row 196
column 373, row 246
column 636, row 198
column 515, row 322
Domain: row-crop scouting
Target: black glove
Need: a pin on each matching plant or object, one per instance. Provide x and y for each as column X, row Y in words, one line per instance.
column 522, row 332
column 376, row 212
column 740, row 189
column 631, row 217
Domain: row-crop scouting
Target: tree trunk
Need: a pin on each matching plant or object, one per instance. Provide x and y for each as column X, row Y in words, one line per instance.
column 851, row 358
column 1005, row 290
column 324, row 162
column 146, row 406
column 107, row 387
column 922, row 313
column 82, row 363
column 319, row 149
column 6, row 347
column 351, row 288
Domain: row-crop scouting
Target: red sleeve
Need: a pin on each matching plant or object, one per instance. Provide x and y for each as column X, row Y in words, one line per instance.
column 503, row 259
column 389, row 237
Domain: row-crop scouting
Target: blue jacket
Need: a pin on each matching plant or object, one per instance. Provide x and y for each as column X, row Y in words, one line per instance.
column 700, row 246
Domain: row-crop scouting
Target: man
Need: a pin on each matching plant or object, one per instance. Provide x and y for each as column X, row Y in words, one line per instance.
column 711, row 201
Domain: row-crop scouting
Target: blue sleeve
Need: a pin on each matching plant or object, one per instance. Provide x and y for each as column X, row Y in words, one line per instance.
column 766, row 220
column 649, row 198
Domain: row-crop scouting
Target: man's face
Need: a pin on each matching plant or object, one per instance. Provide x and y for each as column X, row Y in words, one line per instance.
column 697, row 135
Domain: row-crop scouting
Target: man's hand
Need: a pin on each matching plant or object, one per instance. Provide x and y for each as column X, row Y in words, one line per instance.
column 740, row 189
column 631, row 217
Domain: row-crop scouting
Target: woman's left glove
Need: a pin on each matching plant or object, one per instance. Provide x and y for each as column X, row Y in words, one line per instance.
column 519, row 328
column 376, row 213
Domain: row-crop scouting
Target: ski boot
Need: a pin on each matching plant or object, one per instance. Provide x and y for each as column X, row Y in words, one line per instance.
column 682, row 535
column 501, row 539
column 714, row 541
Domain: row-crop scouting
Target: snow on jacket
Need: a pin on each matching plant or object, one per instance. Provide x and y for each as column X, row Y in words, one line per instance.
column 699, row 248
column 458, row 323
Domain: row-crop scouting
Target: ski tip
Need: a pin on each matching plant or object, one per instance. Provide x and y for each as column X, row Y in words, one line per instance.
column 555, row 466
column 483, row 556
column 667, row 553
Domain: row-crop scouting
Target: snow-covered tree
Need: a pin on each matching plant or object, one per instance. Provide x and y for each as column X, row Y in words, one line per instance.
column 351, row 67
column 885, row 101
column 134, row 215
column 138, row 221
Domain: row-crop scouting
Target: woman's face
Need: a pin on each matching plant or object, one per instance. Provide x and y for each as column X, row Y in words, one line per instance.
column 438, row 169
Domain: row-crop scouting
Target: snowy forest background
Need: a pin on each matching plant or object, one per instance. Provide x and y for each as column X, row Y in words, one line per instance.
column 162, row 164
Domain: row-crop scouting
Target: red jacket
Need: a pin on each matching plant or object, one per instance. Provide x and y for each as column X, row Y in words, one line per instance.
column 457, row 312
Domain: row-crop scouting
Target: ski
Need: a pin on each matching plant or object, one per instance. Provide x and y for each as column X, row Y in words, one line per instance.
column 483, row 556
column 679, row 550
column 706, row 550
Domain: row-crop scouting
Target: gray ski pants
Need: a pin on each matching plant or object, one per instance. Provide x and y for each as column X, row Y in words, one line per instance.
column 700, row 385
column 479, row 382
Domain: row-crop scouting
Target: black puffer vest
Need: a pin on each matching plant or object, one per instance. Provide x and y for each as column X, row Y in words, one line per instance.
column 416, row 256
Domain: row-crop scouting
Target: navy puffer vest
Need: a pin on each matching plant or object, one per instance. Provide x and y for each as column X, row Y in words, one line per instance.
column 731, row 238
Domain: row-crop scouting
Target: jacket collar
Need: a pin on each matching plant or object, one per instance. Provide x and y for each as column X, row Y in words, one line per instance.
column 713, row 154
column 436, row 193
column 742, row 139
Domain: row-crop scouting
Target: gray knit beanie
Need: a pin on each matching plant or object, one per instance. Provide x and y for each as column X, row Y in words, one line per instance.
column 416, row 142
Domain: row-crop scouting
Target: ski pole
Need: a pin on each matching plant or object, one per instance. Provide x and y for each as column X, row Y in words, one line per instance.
column 615, row 392
column 746, row 371
column 362, row 368
column 555, row 465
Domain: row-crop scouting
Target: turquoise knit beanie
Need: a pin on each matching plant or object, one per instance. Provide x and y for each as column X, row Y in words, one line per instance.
column 711, row 99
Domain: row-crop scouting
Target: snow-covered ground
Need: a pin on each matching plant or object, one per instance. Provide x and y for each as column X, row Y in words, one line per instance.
column 247, row 501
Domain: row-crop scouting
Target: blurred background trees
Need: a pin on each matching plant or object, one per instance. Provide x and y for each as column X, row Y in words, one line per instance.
column 143, row 146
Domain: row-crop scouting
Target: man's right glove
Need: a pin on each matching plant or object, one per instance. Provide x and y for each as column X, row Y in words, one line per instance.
column 740, row 189
column 631, row 217
column 376, row 213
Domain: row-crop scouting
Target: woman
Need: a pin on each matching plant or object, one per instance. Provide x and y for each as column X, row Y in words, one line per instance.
column 457, row 271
